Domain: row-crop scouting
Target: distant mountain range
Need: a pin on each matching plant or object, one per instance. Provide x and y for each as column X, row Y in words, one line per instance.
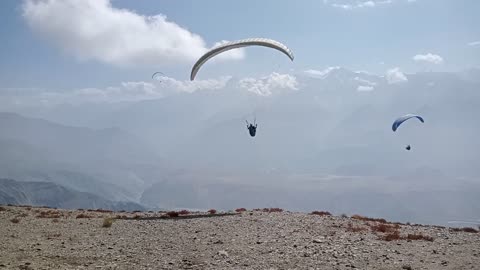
column 53, row 195
column 193, row 150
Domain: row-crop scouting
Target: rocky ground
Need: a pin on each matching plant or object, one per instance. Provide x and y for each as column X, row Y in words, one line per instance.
column 41, row 238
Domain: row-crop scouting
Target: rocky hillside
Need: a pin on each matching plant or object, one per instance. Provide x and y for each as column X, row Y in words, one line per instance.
column 54, row 195
column 38, row 238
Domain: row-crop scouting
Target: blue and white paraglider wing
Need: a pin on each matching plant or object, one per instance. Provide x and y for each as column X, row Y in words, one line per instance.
column 404, row 118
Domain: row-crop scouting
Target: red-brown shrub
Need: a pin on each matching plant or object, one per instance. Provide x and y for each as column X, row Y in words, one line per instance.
column 321, row 213
column 49, row 214
column 82, row 215
column 351, row 228
column 272, row 210
column 184, row 212
column 395, row 235
column 464, row 229
column 172, row 214
column 240, row 210
column 419, row 237
column 212, row 211
column 384, row 228
column 358, row 217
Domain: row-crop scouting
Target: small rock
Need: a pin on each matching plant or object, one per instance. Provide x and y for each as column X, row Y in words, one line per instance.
column 407, row 267
column 223, row 253
column 318, row 241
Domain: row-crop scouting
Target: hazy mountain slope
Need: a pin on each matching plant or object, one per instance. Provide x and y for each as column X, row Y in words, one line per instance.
column 53, row 195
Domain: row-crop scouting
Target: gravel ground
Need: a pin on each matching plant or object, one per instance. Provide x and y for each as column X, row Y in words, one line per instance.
column 249, row 240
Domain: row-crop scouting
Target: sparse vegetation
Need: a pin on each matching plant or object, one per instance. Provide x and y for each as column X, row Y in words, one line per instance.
column 107, row 222
column 82, row 215
column 272, row 210
column 392, row 236
column 172, row 214
column 351, row 228
column 55, row 220
column 419, row 237
column 2, row 209
column 212, row 211
column 15, row 220
column 49, row 214
column 184, row 212
column 464, row 229
column 383, row 228
column 358, row 217
column 240, row 210
column 321, row 213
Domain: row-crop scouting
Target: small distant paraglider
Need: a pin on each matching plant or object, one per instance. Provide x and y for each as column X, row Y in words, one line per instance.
column 158, row 76
column 402, row 119
column 252, row 128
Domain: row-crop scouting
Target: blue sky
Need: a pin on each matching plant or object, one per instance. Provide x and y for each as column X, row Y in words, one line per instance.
column 360, row 36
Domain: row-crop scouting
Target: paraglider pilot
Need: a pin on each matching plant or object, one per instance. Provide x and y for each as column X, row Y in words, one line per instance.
column 252, row 129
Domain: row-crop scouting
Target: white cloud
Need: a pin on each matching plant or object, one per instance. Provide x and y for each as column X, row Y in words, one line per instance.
column 429, row 58
column 320, row 73
column 94, row 29
column 267, row 85
column 192, row 86
column 126, row 91
column 363, row 81
column 139, row 90
column 474, row 43
column 394, row 76
column 362, row 88
column 354, row 4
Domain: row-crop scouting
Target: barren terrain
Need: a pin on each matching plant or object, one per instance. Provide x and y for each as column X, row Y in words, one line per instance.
column 43, row 238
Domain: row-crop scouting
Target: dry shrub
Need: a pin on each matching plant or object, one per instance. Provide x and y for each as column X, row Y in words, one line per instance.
column 184, row 212
column 136, row 211
column 23, row 215
column 107, row 222
column 383, row 228
column 55, row 220
column 419, row 237
column 464, row 229
column 272, row 210
column 15, row 220
column 351, row 228
column 240, row 210
column 212, row 211
column 321, row 213
column 2, row 209
column 137, row 216
column 392, row 236
column 172, row 214
column 358, row 217
column 82, row 215
column 49, row 214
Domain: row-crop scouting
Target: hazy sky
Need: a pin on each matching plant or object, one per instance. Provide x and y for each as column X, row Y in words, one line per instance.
column 78, row 44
